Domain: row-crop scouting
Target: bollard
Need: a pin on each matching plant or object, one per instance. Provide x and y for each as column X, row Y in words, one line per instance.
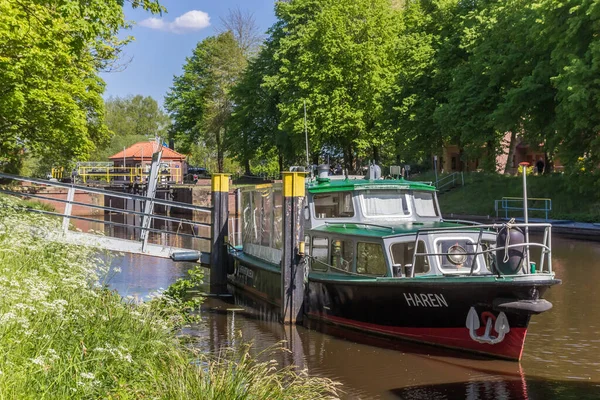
column 292, row 276
column 220, row 214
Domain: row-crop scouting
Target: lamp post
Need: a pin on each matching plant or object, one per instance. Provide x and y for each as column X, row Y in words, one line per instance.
column 524, row 165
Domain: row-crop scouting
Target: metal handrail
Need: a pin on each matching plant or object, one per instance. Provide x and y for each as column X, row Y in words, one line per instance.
column 89, row 189
column 104, row 208
column 69, row 190
column 545, row 245
column 451, row 180
column 120, row 224
column 133, row 173
column 504, row 204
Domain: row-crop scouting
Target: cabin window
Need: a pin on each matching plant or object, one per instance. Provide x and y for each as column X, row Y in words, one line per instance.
column 320, row 253
column 277, row 220
column 333, row 205
column 342, row 254
column 250, row 220
column 384, row 204
column 425, row 204
column 264, row 203
column 402, row 258
column 458, row 246
column 490, row 258
column 370, row 259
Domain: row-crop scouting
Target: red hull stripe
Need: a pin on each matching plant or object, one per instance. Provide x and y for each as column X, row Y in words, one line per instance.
column 458, row 338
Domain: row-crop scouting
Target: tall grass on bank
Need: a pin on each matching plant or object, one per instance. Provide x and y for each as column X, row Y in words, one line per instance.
column 63, row 335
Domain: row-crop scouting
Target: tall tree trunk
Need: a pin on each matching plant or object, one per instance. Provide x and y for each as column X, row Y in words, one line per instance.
column 511, row 151
column 247, row 167
column 489, row 164
column 220, row 153
column 280, row 161
column 549, row 167
column 348, row 158
column 376, row 154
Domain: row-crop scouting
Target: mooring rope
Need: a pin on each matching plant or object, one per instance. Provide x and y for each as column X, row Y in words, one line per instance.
column 509, row 225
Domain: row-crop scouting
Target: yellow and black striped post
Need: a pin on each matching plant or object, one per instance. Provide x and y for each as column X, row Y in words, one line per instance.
column 220, row 215
column 292, row 276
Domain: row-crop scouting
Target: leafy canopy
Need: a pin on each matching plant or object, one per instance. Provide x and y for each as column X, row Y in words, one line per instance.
column 50, row 92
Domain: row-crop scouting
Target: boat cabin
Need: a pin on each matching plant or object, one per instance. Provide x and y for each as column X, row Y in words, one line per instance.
column 371, row 228
column 359, row 249
column 366, row 201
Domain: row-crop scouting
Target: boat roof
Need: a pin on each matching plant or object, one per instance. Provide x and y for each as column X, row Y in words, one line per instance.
column 340, row 185
column 384, row 231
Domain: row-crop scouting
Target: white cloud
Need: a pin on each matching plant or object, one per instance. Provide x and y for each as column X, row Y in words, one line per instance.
column 153, row 23
column 190, row 21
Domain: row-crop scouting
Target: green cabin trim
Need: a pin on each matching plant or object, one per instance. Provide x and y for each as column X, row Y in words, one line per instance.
column 367, row 230
column 434, row 280
column 342, row 185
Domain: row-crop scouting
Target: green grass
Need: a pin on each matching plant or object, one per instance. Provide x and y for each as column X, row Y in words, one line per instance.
column 64, row 335
column 572, row 198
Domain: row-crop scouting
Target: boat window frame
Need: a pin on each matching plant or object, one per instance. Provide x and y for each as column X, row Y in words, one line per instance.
column 407, row 197
column 352, row 265
column 426, row 260
column 436, row 206
column 314, row 259
column 315, row 214
column 381, row 245
column 477, row 268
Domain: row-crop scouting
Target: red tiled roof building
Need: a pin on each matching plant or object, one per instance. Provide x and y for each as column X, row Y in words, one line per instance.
column 140, row 155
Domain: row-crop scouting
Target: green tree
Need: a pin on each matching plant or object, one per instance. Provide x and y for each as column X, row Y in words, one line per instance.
column 569, row 30
column 430, row 52
column 200, row 101
column 131, row 119
column 254, row 126
column 50, row 92
column 338, row 57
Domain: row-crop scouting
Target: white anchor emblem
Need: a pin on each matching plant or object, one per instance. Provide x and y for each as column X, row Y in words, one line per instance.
column 500, row 326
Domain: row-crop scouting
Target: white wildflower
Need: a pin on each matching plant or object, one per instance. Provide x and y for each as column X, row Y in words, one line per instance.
column 87, row 375
column 39, row 360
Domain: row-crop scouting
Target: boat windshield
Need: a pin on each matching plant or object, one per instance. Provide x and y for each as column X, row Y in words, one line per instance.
column 377, row 203
column 334, row 205
column 425, row 204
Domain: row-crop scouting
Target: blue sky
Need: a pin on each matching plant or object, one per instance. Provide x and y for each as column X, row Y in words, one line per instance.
column 163, row 42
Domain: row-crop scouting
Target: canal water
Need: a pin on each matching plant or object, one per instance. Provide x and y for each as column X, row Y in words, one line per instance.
column 561, row 358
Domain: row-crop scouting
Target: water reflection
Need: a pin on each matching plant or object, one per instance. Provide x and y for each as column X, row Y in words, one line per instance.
column 530, row 389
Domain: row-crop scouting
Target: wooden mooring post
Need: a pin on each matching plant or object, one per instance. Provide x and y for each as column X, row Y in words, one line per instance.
column 292, row 275
column 220, row 215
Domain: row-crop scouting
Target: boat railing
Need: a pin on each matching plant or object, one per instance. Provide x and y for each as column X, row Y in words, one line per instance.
column 365, row 224
column 545, row 244
column 463, row 221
